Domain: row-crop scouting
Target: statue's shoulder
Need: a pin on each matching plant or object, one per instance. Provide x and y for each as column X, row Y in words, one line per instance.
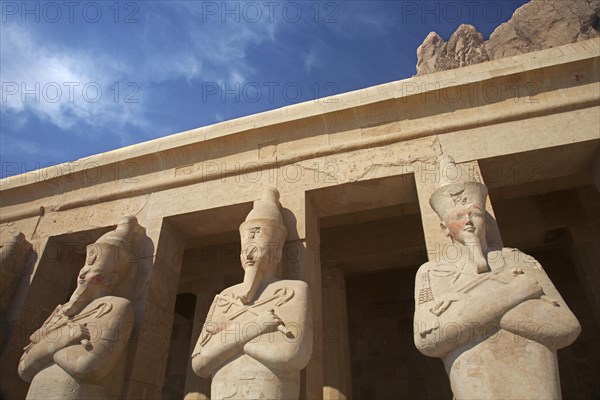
column 116, row 301
column 434, row 265
column 427, row 266
column 510, row 251
column 110, row 305
column 291, row 289
column 295, row 284
column 231, row 289
column 516, row 257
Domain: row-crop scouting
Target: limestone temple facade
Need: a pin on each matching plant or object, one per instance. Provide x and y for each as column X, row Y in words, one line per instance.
column 354, row 175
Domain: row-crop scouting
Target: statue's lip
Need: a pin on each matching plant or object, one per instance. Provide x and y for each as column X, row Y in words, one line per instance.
column 249, row 263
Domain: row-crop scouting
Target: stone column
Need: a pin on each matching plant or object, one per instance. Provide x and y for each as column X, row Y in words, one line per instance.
column 14, row 255
column 337, row 375
column 301, row 261
column 596, row 172
column 197, row 388
column 35, row 304
column 585, row 253
column 584, row 247
column 162, row 256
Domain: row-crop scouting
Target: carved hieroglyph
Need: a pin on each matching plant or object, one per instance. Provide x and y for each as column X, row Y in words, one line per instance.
column 79, row 351
column 492, row 315
column 258, row 334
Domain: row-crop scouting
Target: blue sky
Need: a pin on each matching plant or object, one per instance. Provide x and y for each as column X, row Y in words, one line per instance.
column 80, row 78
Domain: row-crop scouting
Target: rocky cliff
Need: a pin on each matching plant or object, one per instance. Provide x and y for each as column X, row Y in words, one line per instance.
column 537, row 25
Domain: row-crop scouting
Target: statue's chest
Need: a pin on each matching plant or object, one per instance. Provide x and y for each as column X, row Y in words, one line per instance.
column 455, row 280
column 227, row 307
column 228, row 313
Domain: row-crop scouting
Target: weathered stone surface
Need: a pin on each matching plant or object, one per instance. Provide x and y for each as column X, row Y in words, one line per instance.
column 359, row 168
column 542, row 24
column 257, row 335
column 490, row 313
column 465, row 47
column 537, row 25
column 79, row 351
column 13, row 255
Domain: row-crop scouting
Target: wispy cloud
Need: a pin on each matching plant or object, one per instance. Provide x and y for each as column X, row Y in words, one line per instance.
column 29, row 148
column 112, row 85
column 197, row 46
column 361, row 19
column 59, row 85
column 318, row 52
column 310, row 60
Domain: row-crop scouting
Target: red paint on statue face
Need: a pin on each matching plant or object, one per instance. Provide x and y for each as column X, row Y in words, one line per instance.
column 465, row 222
column 91, row 276
column 93, row 281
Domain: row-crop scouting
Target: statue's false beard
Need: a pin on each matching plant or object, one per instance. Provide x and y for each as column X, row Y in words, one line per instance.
column 476, row 252
column 76, row 303
column 252, row 280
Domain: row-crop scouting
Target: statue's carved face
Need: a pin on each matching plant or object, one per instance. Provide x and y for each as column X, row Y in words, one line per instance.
column 465, row 222
column 91, row 276
column 94, row 279
column 260, row 245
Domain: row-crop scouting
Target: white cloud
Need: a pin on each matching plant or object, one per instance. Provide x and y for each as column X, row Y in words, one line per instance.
column 310, row 60
column 170, row 42
column 28, row 147
column 199, row 47
column 361, row 19
column 59, row 85
column 319, row 50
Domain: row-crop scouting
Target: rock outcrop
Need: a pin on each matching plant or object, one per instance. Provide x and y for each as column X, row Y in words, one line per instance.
column 537, row 25
column 466, row 46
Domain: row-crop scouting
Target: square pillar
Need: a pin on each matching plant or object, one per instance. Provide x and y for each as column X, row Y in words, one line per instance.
column 162, row 257
column 584, row 251
column 301, row 261
column 38, row 296
column 596, row 172
column 197, row 388
column 337, row 379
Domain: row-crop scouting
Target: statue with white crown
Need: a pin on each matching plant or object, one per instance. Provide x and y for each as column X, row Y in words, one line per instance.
column 79, row 352
column 257, row 336
column 491, row 314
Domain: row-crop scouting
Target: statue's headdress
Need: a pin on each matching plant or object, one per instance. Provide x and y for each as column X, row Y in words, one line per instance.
column 121, row 245
column 453, row 189
column 267, row 209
